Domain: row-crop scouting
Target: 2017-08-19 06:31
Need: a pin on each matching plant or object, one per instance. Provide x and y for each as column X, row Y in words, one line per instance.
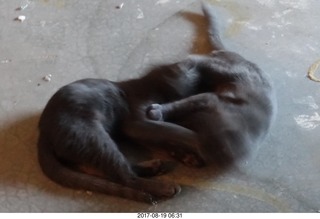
column 159, row 215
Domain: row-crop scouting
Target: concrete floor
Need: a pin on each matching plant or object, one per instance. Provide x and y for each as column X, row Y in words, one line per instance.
column 71, row 39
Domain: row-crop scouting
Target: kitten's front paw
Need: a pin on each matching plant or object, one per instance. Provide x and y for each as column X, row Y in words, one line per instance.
column 154, row 112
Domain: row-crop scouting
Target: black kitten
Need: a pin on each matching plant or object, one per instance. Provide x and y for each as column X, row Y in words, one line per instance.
column 80, row 123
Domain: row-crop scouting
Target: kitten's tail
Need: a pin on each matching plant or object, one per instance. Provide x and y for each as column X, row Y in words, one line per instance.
column 213, row 32
column 68, row 177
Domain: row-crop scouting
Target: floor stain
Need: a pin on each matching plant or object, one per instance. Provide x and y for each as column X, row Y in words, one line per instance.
column 308, row 122
column 312, row 71
column 234, row 189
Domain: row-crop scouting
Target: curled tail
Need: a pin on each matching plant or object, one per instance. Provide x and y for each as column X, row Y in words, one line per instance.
column 68, row 177
column 212, row 27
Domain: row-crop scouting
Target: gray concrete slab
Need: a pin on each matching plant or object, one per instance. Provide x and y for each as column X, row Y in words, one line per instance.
column 71, row 39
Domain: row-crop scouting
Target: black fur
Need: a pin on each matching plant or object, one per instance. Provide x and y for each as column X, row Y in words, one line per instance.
column 80, row 123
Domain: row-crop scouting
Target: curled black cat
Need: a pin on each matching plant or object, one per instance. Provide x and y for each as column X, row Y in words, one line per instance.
column 80, row 123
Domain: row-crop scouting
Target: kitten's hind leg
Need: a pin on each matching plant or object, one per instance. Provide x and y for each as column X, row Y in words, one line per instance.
column 99, row 151
column 118, row 164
